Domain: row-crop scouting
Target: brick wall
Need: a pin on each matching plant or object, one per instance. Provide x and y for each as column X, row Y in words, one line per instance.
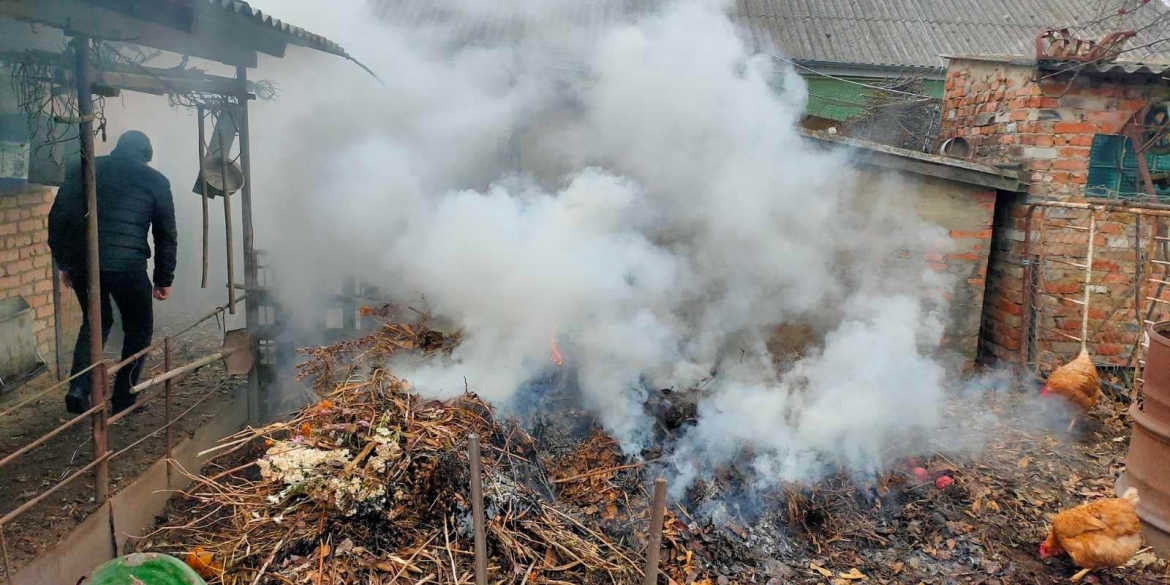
column 1047, row 128
column 966, row 211
column 26, row 266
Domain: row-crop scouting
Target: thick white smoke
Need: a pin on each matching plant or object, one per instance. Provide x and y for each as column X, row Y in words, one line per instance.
column 664, row 217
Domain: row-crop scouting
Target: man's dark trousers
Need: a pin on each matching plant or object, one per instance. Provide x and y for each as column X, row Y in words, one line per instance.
column 131, row 292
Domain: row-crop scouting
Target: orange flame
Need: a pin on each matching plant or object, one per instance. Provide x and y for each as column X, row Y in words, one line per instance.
column 556, row 353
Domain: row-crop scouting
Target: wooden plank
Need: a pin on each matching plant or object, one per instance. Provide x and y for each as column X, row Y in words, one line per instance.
column 150, row 80
column 78, row 18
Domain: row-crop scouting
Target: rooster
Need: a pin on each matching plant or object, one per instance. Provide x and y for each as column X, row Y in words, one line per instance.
column 1097, row 535
column 1077, row 383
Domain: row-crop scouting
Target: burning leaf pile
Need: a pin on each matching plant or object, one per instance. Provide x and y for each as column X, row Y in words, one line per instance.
column 371, row 485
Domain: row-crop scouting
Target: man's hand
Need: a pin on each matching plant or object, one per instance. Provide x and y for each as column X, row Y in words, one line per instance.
column 162, row 293
column 65, row 279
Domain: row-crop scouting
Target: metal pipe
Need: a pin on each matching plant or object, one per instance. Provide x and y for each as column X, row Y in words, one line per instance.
column 1150, row 209
column 84, row 75
column 1067, row 263
column 181, row 416
column 216, row 311
column 42, row 393
column 167, row 406
column 203, row 190
column 49, row 435
column 227, row 212
column 172, row 374
column 257, row 401
column 1025, row 343
column 1088, row 282
column 654, row 544
column 477, row 510
column 58, row 303
column 68, row 480
column 1056, row 296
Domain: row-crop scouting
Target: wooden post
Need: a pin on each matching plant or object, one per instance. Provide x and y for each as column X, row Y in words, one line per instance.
column 257, row 395
column 203, row 190
column 654, row 543
column 167, row 365
column 477, row 511
column 224, row 153
column 84, row 74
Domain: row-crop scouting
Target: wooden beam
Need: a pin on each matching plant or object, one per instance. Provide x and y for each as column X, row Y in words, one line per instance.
column 139, row 78
column 158, row 85
column 77, row 18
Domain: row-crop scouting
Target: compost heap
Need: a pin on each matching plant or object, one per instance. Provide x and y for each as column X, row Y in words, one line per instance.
column 371, row 485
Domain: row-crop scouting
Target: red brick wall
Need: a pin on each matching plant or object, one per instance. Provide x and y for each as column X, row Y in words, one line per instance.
column 26, row 266
column 1113, row 324
column 1047, row 128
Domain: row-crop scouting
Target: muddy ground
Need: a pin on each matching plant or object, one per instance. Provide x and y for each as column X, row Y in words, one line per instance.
column 42, row 526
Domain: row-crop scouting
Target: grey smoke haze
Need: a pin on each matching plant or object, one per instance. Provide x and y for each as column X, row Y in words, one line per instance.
column 667, row 218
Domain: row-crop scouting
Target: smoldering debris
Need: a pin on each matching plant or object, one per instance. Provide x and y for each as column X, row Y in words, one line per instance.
column 665, row 216
column 371, row 484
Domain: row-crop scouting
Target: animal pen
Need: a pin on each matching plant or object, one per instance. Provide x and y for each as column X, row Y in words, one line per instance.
column 61, row 86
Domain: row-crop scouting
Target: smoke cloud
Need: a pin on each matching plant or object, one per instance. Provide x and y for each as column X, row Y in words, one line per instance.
column 640, row 194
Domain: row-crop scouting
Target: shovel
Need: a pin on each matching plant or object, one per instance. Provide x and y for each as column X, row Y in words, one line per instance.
column 236, row 355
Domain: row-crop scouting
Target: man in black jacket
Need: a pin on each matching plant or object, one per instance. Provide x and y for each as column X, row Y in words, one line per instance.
column 132, row 199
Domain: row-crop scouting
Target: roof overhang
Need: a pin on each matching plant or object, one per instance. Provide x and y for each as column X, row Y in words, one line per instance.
column 227, row 31
column 1148, row 68
column 900, row 159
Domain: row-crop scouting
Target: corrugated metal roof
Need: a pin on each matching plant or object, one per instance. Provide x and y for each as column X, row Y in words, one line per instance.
column 293, row 35
column 871, row 33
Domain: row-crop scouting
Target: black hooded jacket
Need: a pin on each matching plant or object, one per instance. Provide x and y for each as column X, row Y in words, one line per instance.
column 132, row 198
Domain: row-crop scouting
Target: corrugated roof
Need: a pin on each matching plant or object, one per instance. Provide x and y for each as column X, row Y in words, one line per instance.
column 870, row 33
column 1148, row 67
column 293, row 35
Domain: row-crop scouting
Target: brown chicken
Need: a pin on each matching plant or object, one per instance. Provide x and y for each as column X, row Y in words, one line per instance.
column 1075, row 382
column 1100, row 534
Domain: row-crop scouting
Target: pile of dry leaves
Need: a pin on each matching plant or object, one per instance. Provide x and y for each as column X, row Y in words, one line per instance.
column 370, row 485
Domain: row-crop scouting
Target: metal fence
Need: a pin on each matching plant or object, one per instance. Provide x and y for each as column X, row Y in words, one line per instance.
column 102, row 455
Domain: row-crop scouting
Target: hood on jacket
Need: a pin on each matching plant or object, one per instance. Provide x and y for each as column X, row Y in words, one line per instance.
column 134, row 144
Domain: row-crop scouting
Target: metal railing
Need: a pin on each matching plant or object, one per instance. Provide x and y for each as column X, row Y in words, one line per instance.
column 100, row 465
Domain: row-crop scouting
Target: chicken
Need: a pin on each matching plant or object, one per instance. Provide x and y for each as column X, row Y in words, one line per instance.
column 1100, row 534
column 1076, row 382
column 202, row 562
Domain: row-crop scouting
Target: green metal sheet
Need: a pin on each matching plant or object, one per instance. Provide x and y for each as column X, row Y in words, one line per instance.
column 841, row 98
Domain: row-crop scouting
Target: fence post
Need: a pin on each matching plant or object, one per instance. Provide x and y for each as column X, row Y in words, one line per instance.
column 101, row 473
column 654, row 545
column 167, row 409
column 477, row 511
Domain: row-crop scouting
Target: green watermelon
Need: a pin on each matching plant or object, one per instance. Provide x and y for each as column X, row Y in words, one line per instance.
column 144, row 569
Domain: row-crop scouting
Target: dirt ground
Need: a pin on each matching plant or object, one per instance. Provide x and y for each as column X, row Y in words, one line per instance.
column 42, row 526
